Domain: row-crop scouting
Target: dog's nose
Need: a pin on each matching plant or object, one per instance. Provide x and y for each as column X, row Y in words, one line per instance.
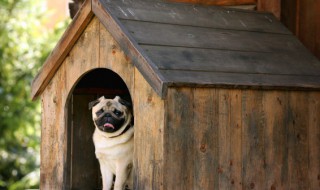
column 107, row 115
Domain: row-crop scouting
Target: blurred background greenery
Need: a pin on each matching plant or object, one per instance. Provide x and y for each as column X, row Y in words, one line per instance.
column 25, row 42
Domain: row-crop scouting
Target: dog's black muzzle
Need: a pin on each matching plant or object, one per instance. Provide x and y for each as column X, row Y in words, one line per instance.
column 109, row 123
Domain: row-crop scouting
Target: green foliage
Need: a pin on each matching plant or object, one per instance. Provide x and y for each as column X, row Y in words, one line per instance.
column 24, row 45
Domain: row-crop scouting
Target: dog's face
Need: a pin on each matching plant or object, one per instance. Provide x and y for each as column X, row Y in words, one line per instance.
column 110, row 115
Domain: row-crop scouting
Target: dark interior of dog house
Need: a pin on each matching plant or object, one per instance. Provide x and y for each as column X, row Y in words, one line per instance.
column 81, row 155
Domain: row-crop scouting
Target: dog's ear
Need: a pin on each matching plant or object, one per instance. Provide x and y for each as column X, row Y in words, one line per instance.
column 93, row 103
column 125, row 103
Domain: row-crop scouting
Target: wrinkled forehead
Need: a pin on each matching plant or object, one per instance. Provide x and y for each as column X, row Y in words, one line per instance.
column 108, row 104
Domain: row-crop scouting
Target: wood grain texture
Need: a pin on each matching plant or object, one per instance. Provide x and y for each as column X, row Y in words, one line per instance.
column 112, row 57
column 236, row 80
column 206, row 146
column 228, row 61
column 148, row 136
column 79, row 60
column 62, row 49
column 129, row 46
column 298, row 138
column 308, row 25
column 253, row 147
column 53, row 135
column 235, row 162
column 217, row 2
column 207, row 38
column 258, row 139
column 179, row 142
column 314, row 140
column 273, row 6
column 275, row 139
column 303, row 19
column 183, row 14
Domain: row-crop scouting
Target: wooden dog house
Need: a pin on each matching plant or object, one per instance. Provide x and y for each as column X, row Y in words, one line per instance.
column 222, row 98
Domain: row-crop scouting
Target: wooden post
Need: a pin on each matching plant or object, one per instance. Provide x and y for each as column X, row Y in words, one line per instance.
column 273, row 6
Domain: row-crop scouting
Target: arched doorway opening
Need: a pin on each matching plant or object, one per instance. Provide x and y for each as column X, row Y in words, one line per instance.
column 83, row 167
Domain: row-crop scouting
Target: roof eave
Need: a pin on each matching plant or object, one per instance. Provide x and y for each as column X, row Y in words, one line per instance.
column 130, row 47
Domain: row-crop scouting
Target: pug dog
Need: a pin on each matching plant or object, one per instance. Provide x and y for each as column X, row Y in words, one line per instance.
column 113, row 141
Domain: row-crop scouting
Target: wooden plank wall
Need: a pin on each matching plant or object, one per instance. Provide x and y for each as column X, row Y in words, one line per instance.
column 149, row 124
column 241, row 139
column 55, row 162
column 61, row 158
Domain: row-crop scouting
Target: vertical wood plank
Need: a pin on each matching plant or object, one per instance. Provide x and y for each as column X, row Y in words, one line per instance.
column 314, row 140
column 53, row 135
column 276, row 106
column 148, row 136
column 224, row 138
column 178, row 139
column 298, row 140
column 253, row 126
column 205, row 132
column 235, row 139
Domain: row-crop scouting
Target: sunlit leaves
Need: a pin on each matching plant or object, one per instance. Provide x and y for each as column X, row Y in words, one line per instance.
column 24, row 45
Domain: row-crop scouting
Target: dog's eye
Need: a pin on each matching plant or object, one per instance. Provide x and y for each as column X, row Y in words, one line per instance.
column 117, row 112
column 98, row 113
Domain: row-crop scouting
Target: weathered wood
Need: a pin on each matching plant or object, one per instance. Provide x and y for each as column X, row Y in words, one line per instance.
column 191, row 137
column 223, row 110
column 179, row 144
column 253, row 147
column 303, row 19
column 210, row 17
column 191, row 59
column 129, row 46
column 79, row 61
column 54, row 135
column 62, row 49
column 217, row 2
column 273, row 6
column 235, row 139
column 298, row 151
column 148, row 136
column 235, row 80
column 256, row 138
column 197, row 37
column 275, row 104
column 205, row 149
column 111, row 56
column 289, row 14
column 314, row 140
column 308, row 25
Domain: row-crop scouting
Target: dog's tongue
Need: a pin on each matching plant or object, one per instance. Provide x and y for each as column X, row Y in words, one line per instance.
column 109, row 125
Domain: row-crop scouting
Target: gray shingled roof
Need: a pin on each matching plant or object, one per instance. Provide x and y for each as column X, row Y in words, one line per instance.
column 201, row 45
column 175, row 44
